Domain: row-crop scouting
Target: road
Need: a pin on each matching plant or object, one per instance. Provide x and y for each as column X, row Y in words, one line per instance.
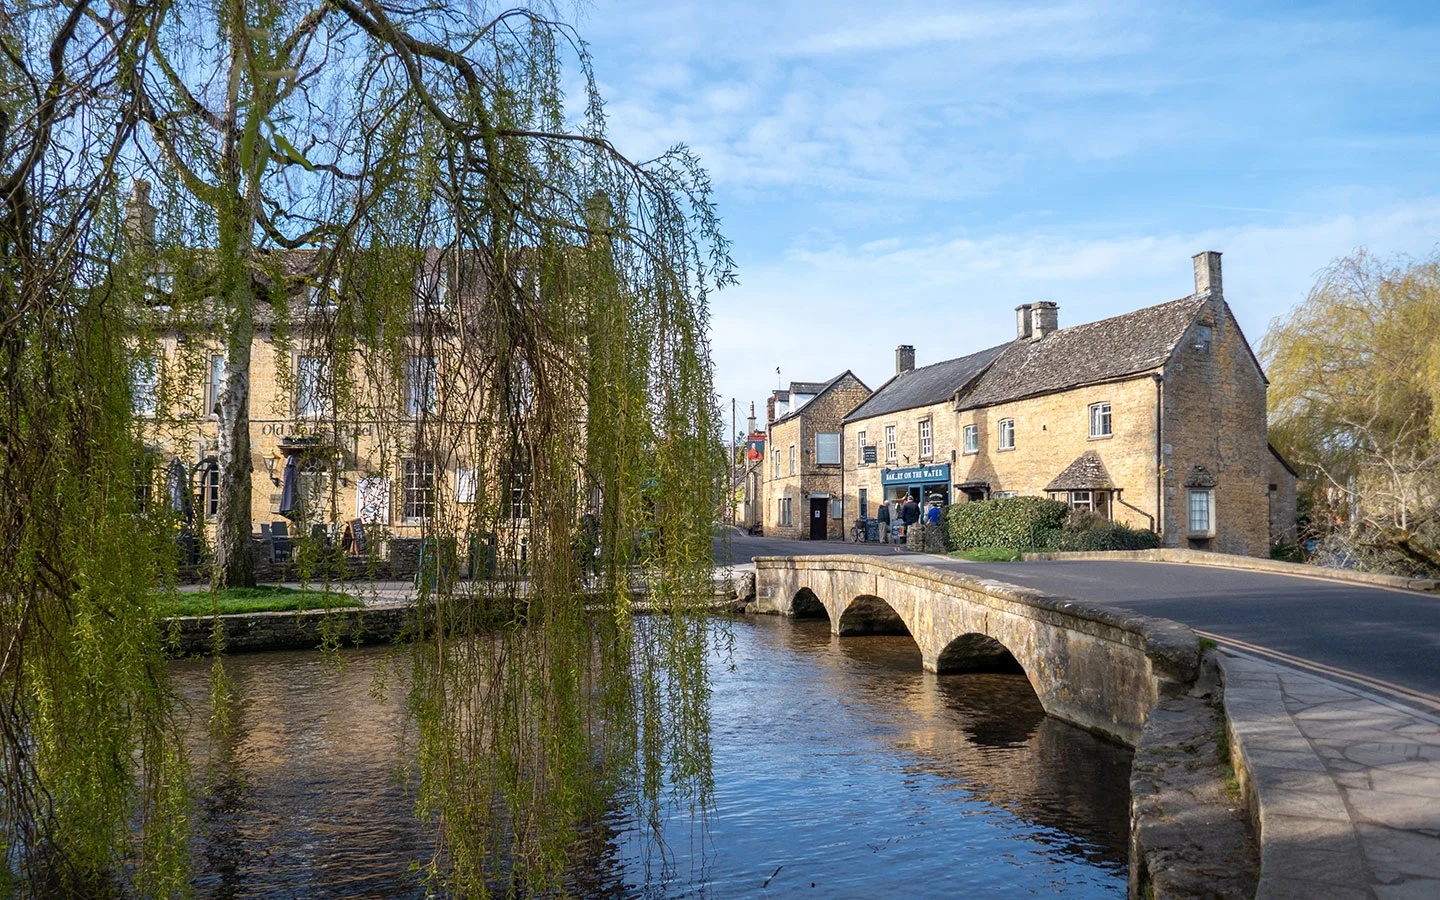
column 1381, row 640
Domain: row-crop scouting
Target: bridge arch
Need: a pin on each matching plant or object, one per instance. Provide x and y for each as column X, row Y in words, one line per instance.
column 976, row 652
column 1096, row 666
column 805, row 605
column 869, row 614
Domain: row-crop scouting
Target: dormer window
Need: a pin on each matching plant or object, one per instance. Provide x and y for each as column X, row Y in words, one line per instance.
column 326, row 296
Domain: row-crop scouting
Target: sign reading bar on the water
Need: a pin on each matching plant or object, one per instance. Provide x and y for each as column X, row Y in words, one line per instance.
column 916, row 475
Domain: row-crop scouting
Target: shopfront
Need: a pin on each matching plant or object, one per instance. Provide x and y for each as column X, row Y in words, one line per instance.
column 926, row 484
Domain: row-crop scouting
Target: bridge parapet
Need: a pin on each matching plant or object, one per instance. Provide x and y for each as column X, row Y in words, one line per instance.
column 1099, row 667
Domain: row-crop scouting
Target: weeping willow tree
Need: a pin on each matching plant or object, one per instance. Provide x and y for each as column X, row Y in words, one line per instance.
column 510, row 311
column 92, row 778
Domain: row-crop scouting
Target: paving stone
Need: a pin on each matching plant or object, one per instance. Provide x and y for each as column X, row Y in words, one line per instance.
column 1391, row 781
column 1401, row 811
column 1420, row 889
column 1400, row 851
column 1302, row 803
column 1276, row 888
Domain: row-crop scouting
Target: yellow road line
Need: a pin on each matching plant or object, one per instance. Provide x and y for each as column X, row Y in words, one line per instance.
column 1400, row 692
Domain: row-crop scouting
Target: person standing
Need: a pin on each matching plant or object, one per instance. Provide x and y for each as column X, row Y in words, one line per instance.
column 910, row 512
column 882, row 515
column 932, row 515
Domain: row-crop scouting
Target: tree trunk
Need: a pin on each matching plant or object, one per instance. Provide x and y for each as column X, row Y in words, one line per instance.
column 233, row 566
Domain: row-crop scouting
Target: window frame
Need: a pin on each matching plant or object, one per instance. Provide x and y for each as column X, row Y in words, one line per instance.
column 417, row 490
column 1006, row 427
column 926, row 433
column 321, row 404
column 1191, row 495
column 837, row 507
column 145, row 387
column 794, row 458
column 421, row 367
column 839, row 447
column 210, row 489
column 1101, row 413
column 864, row 503
column 860, row 437
column 892, row 449
column 970, row 440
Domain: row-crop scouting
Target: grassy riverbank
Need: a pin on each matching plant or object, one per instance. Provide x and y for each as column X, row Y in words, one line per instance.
column 265, row 598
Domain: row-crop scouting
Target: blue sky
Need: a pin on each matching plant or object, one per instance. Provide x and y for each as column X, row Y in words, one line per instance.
column 909, row 173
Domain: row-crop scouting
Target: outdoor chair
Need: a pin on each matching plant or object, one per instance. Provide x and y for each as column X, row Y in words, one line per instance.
column 279, row 542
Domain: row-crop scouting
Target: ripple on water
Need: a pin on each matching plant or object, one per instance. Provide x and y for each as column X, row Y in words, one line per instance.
column 840, row 765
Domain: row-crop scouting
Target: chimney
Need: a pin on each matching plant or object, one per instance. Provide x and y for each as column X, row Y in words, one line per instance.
column 1022, row 322
column 750, row 425
column 769, row 411
column 1044, row 318
column 140, row 215
column 1207, row 273
column 904, row 359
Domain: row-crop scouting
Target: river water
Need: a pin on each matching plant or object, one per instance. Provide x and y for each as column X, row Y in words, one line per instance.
column 842, row 769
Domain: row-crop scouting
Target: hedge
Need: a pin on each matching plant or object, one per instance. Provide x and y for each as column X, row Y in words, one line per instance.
column 1016, row 523
column 1035, row 524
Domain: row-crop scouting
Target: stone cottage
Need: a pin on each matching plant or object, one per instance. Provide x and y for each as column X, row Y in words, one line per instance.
column 1155, row 418
column 803, row 471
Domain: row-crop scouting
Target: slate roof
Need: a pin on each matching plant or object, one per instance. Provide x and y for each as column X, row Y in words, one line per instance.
column 1084, row 354
column 925, row 386
column 820, row 388
column 1086, row 473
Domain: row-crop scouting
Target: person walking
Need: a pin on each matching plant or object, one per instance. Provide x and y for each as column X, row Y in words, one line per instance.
column 910, row 512
column 882, row 515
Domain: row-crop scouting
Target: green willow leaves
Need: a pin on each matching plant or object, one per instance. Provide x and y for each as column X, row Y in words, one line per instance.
column 398, row 215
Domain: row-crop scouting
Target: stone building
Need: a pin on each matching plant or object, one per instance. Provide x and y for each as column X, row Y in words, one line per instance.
column 1155, row 419
column 804, row 471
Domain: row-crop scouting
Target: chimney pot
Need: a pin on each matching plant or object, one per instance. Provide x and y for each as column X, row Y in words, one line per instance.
column 139, row 214
column 1022, row 322
column 904, row 359
column 1044, row 318
column 1207, row 273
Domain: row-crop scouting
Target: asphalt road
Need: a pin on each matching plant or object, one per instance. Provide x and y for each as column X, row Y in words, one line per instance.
column 1382, row 640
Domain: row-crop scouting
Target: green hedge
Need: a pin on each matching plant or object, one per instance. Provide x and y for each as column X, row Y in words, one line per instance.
column 1017, row 523
column 1034, row 524
column 1090, row 532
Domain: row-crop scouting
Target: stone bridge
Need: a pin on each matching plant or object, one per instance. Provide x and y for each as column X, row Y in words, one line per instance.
column 1095, row 666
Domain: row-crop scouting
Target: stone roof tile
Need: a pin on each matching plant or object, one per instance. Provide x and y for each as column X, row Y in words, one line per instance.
column 1086, row 473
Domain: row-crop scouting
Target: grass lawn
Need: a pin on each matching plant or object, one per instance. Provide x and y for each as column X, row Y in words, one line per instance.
column 987, row 554
column 249, row 600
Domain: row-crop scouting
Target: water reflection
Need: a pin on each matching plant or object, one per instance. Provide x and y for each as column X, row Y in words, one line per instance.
column 839, row 764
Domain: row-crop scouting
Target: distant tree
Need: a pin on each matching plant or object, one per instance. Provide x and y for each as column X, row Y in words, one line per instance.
column 1355, row 401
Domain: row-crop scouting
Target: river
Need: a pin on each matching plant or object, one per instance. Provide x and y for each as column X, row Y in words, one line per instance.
column 842, row 769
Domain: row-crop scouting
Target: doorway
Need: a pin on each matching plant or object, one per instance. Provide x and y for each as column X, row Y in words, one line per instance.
column 818, row 525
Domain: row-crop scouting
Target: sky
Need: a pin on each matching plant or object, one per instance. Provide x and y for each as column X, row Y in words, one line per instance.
column 910, row 173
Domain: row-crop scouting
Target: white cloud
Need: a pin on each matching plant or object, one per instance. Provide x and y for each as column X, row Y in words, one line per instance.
column 818, row 312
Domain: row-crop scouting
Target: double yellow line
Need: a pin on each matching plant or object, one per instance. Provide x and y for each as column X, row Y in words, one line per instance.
column 1430, row 702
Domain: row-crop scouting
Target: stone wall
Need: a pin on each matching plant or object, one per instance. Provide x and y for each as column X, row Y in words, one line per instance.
column 1050, row 432
column 1215, row 417
column 823, row 414
column 190, row 635
column 1283, row 504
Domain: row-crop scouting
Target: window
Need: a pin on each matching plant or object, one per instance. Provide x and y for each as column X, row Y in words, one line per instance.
column 837, row 507
column 310, row 376
column 465, row 485
column 777, row 465
column 1082, row 500
column 864, row 503
column 1100, row 419
column 927, row 446
column 827, row 448
column 215, row 384
column 972, row 438
column 890, row 453
column 144, row 387
column 323, row 296
column 1007, row 434
column 786, row 511
column 1203, row 336
column 793, row 457
column 860, row 447
column 419, row 489
column 420, row 385
column 1202, row 519
column 210, row 489
column 520, row 483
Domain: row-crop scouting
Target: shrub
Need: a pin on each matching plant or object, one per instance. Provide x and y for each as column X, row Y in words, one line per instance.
column 1016, row 523
column 1088, row 532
